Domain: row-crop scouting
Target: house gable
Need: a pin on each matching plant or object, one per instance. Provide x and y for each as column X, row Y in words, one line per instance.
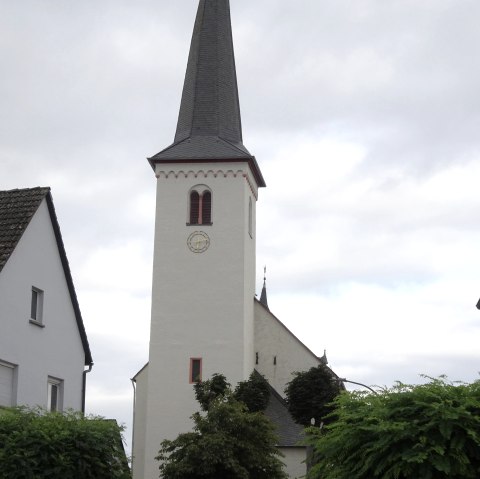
column 17, row 208
column 43, row 339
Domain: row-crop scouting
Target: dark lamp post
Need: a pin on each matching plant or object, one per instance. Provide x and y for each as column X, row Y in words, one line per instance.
column 343, row 380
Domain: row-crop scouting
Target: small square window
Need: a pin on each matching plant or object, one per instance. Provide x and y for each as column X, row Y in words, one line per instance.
column 36, row 308
column 195, row 370
column 54, row 395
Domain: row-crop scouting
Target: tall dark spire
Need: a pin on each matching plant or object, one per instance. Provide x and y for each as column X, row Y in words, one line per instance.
column 210, row 105
column 209, row 125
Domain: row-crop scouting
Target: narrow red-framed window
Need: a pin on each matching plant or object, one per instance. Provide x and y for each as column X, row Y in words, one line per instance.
column 195, row 375
column 194, row 208
column 206, row 202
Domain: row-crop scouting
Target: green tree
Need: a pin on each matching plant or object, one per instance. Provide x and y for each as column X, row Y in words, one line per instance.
column 429, row 431
column 208, row 391
column 227, row 442
column 310, row 394
column 254, row 392
column 36, row 444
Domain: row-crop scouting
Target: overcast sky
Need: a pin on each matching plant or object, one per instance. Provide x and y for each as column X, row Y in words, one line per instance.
column 364, row 117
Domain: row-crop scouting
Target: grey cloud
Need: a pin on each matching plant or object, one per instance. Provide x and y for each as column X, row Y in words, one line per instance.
column 89, row 89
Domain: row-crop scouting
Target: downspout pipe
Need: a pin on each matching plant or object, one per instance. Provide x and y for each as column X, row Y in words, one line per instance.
column 84, row 385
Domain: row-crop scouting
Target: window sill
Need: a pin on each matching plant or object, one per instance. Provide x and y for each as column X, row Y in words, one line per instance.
column 37, row 323
column 199, row 224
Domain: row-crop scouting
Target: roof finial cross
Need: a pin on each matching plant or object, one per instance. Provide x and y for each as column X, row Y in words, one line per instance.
column 263, row 296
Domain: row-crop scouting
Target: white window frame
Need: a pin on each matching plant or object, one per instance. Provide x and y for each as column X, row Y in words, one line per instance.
column 54, row 390
column 36, row 306
column 13, row 397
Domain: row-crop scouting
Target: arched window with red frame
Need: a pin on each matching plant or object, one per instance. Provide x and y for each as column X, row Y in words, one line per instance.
column 194, row 207
column 206, row 208
column 200, row 212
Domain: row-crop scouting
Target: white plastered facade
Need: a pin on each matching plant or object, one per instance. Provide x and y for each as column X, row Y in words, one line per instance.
column 280, row 352
column 35, row 352
column 272, row 339
column 201, row 302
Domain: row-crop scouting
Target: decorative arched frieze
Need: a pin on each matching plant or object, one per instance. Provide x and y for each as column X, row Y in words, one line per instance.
column 200, row 173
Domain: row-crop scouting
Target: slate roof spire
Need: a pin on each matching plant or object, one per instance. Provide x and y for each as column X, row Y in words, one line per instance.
column 210, row 105
column 209, row 124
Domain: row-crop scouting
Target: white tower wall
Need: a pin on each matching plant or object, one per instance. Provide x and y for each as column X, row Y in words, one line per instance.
column 202, row 303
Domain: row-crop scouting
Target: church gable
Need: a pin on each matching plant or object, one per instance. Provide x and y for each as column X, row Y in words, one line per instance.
column 278, row 352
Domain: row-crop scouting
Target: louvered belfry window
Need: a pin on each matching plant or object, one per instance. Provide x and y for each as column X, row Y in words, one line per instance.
column 206, row 207
column 194, row 207
column 200, row 208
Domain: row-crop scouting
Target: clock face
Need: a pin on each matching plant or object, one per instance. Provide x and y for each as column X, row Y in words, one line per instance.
column 198, row 242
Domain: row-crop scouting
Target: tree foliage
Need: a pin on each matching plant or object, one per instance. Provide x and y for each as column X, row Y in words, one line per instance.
column 36, row 444
column 254, row 392
column 310, row 394
column 227, row 442
column 208, row 391
column 429, row 431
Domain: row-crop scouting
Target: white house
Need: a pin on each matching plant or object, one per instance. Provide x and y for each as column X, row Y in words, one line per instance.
column 205, row 318
column 44, row 351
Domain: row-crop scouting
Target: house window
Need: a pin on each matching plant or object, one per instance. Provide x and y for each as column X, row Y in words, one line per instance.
column 195, row 370
column 7, row 381
column 36, row 307
column 54, row 394
column 200, row 204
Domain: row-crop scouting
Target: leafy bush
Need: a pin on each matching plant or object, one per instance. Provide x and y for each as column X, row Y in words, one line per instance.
column 429, row 431
column 36, row 445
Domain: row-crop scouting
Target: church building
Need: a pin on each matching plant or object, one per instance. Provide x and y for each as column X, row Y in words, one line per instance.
column 205, row 317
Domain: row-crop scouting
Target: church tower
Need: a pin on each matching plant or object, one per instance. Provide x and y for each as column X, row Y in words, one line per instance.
column 204, row 254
